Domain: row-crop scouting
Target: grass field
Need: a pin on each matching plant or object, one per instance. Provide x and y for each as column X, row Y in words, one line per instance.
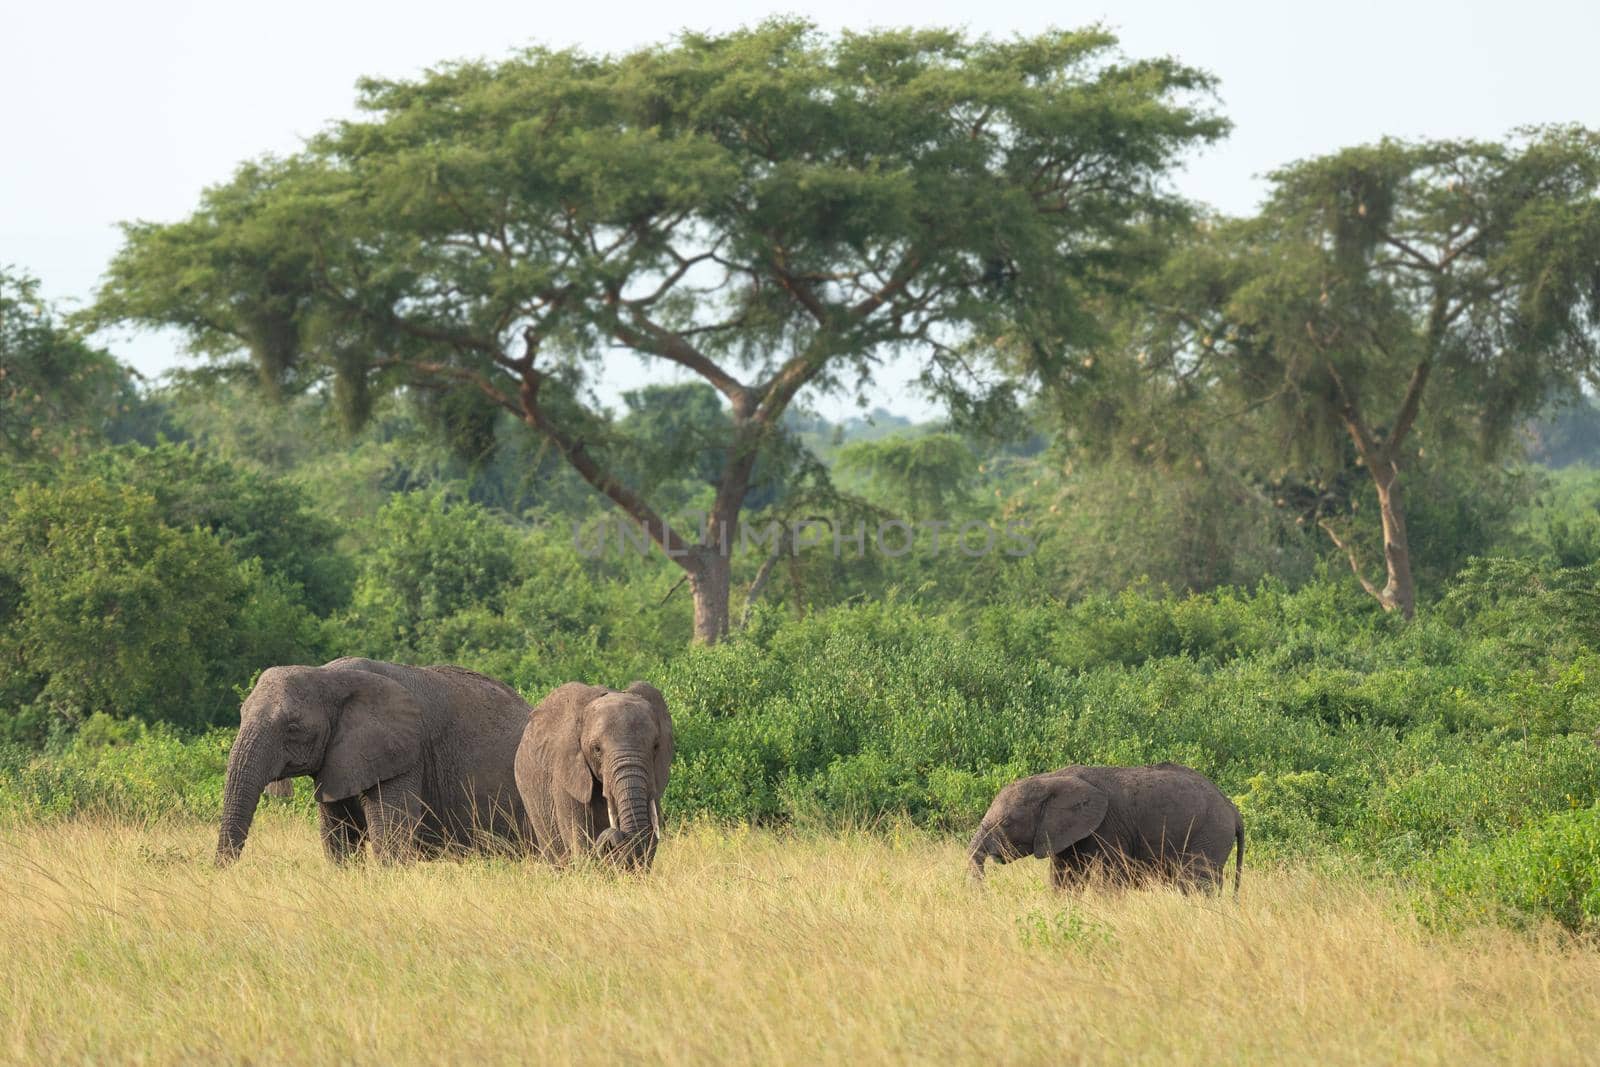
column 123, row 944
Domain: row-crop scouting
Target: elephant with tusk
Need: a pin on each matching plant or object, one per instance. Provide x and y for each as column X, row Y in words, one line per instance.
column 591, row 769
column 1129, row 823
column 408, row 759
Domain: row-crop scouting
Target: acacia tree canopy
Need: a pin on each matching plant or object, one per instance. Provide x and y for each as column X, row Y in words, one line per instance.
column 770, row 210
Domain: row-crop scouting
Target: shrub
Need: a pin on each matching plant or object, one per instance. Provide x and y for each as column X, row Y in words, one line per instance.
column 430, row 559
column 106, row 608
column 1549, row 869
column 141, row 773
column 255, row 515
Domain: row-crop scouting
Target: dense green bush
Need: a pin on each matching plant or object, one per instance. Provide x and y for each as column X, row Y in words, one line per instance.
column 104, row 607
column 1548, row 870
column 446, row 581
column 256, row 516
column 123, row 770
column 431, row 560
column 1403, row 741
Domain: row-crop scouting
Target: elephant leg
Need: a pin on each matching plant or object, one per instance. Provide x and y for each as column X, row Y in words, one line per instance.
column 393, row 810
column 1199, row 875
column 1069, row 869
column 552, row 848
column 543, row 828
column 344, row 829
column 577, row 825
column 585, row 825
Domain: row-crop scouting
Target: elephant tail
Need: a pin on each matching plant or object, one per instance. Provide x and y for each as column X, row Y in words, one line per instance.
column 1238, row 856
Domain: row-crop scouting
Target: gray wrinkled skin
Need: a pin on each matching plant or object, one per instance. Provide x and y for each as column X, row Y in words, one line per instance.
column 1127, row 823
column 591, row 769
column 411, row 760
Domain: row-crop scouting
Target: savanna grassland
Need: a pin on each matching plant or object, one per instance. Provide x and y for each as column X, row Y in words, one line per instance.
column 1308, row 501
column 124, row 945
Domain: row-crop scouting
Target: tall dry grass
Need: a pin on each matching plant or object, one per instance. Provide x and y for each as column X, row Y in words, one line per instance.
column 123, row 944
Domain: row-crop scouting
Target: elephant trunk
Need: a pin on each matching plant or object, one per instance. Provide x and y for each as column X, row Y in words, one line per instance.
column 249, row 771
column 628, row 789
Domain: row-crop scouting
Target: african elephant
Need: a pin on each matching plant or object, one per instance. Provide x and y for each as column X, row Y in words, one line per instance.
column 591, row 769
column 409, row 758
column 1164, row 820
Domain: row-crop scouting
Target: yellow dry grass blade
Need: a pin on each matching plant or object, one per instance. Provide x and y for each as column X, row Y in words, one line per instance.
column 124, row 944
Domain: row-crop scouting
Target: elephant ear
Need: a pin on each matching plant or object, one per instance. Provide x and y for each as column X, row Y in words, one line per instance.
column 1072, row 810
column 653, row 697
column 376, row 734
column 556, row 728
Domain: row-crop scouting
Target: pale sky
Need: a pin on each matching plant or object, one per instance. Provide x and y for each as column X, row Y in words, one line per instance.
column 119, row 111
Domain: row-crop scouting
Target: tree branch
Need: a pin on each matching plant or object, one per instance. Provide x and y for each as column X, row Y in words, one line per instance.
column 801, row 292
column 790, row 379
column 577, row 454
column 896, row 284
column 1350, row 415
column 1350, row 555
column 647, row 336
column 1409, row 406
column 763, row 575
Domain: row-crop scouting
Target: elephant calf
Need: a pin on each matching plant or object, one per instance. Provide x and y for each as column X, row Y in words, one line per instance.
column 591, row 769
column 1165, row 821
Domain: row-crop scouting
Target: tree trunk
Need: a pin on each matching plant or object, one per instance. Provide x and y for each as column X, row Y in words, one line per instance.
column 1398, row 592
column 710, row 579
column 1380, row 458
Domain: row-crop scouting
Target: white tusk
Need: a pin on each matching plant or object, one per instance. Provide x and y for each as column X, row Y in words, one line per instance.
column 655, row 818
column 611, row 813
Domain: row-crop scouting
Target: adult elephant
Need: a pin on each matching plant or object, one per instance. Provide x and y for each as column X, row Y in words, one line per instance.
column 407, row 758
column 1164, row 820
column 591, row 769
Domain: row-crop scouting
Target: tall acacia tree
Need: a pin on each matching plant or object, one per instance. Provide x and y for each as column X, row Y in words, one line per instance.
column 1386, row 295
column 770, row 210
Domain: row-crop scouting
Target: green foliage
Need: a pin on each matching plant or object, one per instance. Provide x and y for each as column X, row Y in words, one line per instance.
column 255, row 515
column 1561, row 523
column 1108, row 525
column 1549, row 870
column 1530, row 604
column 124, row 770
column 673, row 433
column 106, row 607
column 929, row 476
column 430, row 560
column 1333, row 726
column 447, row 581
column 58, row 394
